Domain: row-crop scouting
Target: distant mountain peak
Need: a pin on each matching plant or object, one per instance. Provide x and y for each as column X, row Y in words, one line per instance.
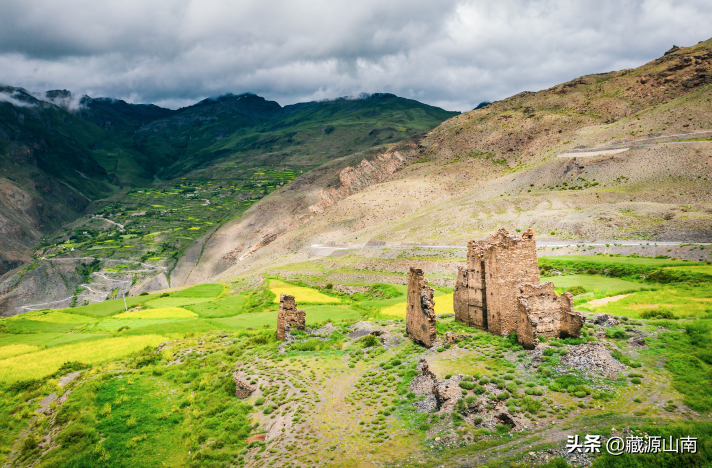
column 361, row 97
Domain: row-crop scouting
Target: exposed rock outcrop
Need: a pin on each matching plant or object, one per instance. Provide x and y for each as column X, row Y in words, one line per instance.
column 420, row 317
column 355, row 179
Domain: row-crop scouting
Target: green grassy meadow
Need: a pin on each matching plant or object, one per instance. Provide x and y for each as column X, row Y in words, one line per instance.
column 135, row 404
column 594, row 283
column 638, row 261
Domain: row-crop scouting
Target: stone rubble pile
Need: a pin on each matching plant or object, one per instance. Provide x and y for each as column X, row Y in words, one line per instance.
column 605, row 320
column 591, row 357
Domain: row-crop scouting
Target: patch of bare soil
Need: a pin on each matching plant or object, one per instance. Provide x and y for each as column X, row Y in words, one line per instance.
column 606, row 300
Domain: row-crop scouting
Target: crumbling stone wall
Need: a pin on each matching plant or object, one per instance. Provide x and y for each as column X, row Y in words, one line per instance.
column 571, row 321
column 470, row 297
column 242, row 388
column 509, row 260
column 420, row 314
column 486, row 291
column 499, row 292
column 543, row 313
column 289, row 317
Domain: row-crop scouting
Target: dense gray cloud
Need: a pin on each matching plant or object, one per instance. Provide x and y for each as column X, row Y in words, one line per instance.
column 449, row 53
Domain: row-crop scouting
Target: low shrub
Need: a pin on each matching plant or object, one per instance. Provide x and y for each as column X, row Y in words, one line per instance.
column 467, row 385
column 370, row 341
column 576, row 290
column 661, row 313
column 615, row 333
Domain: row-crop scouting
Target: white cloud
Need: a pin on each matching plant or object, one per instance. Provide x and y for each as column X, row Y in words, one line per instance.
column 448, row 53
column 12, row 98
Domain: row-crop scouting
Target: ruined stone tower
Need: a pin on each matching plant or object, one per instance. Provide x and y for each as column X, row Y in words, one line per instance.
column 543, row 313
column 288, row 316
column 501, row 272
column 420, row 317
column 486, row 291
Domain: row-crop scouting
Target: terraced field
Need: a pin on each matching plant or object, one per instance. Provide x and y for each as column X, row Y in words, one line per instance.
column 161, row 374
column 156, row 224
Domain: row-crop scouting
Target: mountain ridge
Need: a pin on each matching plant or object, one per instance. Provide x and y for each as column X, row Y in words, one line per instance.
column 62, row 154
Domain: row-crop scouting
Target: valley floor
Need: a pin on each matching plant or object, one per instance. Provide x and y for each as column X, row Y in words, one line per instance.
column 96, row 385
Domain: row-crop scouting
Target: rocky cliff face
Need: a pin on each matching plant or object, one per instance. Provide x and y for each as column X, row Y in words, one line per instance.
column 355, row 179
column 51, row 284
column 293, row 207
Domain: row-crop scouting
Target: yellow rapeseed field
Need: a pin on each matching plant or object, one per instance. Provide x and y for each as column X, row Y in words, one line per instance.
column 55, row 317
column 16, row 349
column 301, row 294
column 396, row 310
column 42, row 363
column 160, row 313
column 443, row 305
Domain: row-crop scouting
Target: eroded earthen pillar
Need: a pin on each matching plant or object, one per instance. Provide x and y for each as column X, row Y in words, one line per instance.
column 420, row 315
column 289, row 317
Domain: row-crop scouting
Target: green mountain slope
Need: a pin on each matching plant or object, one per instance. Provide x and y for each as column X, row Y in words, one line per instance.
column 53, row 164
column 111, row 158
column 223, row 137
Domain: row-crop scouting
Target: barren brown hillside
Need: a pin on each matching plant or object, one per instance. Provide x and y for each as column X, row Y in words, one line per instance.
column 500, row 166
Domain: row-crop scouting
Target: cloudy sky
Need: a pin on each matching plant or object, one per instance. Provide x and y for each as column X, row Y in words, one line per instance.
column 448, row 53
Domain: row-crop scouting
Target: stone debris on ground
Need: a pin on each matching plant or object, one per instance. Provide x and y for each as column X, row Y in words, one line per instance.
column 636, row 342
column 326, row 330
column 605, row 320
column 69, row 378
column 360, row 329
column 242, row 388
column 591, row 357
column 453, row 338
column 545, row 456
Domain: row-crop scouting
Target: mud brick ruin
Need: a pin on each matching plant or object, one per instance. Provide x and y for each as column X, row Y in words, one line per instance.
column 289, row 317
column 420, row 315
column 543, row 313
column 486, row 290
column 499, row 291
